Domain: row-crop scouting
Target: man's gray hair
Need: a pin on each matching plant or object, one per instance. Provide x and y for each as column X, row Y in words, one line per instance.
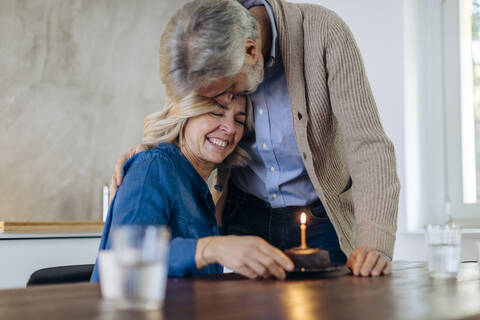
column 205, row 40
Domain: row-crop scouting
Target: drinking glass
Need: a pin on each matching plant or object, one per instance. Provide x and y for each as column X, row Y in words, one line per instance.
column 141, row 253
column 109, row 275
column 443, row 250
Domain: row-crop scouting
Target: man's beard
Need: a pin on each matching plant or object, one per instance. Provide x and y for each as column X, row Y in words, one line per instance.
column 254, row 75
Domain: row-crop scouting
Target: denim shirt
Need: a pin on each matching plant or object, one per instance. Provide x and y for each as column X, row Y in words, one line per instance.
column 161, row 187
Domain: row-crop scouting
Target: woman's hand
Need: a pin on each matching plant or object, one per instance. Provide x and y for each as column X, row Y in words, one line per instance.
column 249, row 256
column 117, row 173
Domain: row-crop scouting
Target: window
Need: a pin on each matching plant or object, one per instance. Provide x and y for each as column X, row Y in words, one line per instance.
column 461, row 43
column 442, row 89
column 472, row 195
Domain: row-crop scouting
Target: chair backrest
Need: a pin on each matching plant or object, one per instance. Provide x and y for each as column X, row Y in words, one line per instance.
column 61, row 274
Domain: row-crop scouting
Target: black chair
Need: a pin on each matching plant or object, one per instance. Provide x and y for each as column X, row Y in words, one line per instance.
column 63, row 274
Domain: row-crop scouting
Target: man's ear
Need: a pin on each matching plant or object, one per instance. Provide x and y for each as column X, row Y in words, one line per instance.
column 252, row 51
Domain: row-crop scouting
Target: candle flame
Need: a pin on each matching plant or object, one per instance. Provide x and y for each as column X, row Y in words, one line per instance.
column 303, row 218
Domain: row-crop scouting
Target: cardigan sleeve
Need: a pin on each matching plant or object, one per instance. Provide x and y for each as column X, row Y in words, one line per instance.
column 145, row 198
column 370, row 153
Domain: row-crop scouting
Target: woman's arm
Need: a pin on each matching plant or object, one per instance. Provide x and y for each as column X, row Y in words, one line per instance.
column 145, row 198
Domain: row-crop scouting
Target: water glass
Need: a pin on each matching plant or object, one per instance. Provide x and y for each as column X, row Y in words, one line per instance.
column 141, row 253
column 109, row 275
column 443, row 251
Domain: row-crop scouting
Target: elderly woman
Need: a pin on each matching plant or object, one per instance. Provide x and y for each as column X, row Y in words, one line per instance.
column 167, row 186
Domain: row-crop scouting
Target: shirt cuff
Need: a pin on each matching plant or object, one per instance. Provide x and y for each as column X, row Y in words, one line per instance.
column 181, row 258
column 387, row 257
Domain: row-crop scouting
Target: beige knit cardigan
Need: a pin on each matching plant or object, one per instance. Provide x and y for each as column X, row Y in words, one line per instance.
column 348, row 157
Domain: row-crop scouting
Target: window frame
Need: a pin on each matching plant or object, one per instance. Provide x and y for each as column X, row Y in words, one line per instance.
column 458, row 103
column 433, row 136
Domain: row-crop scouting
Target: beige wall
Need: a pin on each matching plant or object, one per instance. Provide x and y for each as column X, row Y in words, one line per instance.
column 76, row 80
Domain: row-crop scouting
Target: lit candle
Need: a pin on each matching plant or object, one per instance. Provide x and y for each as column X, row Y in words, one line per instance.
column 303, row 231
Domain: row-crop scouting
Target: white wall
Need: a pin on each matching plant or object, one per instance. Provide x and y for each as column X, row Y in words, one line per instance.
column 22, row 254
column 77, row 79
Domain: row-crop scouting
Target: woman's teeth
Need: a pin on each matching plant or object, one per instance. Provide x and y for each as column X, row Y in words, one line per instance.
column 218, row 142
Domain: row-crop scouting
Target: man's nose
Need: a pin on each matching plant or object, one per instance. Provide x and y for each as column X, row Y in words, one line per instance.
column 225, row 99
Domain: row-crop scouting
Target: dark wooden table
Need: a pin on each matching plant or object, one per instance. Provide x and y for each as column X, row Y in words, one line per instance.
column 408, row 294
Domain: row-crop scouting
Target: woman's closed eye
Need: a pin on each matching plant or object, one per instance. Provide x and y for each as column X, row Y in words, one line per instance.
column 219, row 114
column 219, row 110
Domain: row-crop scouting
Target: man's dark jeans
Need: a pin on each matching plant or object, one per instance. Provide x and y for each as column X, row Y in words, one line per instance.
column 245, row 214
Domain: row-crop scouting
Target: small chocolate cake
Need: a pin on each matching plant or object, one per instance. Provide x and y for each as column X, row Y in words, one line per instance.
column 309, row 258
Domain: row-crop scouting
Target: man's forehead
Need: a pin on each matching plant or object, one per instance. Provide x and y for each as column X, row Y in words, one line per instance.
column 215, row 88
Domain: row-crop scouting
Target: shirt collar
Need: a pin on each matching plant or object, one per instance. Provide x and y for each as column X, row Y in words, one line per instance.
column 203, row 186
column 273, row 51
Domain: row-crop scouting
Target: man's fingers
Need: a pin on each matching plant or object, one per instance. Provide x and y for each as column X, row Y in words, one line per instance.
column 112, row 190
column 356, row 260
column 379, row 266
column 139, row 148
column 117, row 173
column 369, row 262
column 387, row 269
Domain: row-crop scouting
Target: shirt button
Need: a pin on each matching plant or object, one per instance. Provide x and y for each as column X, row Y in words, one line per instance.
column 260, row 111
column 272, row 169
column 265, row 146
column 274, row 196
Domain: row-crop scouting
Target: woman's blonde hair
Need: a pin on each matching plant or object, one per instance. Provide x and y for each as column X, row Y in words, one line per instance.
column 168, row 125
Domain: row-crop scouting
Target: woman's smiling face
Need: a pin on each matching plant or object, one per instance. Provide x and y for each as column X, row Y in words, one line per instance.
column 210, row 138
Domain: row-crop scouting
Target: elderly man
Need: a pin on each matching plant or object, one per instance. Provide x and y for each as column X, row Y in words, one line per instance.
column 318, row 146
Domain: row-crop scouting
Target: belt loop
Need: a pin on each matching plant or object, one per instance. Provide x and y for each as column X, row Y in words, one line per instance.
column 315, row 204
column 238, row 194
column 243, row 196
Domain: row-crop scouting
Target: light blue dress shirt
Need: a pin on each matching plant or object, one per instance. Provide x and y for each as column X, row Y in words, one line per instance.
column 276, row 173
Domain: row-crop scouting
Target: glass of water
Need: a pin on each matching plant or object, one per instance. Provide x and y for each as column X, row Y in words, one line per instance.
column 141, row 253
column 443, row 251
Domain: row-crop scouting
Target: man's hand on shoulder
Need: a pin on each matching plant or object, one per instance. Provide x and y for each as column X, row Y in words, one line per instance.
column 117, row 173
column 366, row 262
